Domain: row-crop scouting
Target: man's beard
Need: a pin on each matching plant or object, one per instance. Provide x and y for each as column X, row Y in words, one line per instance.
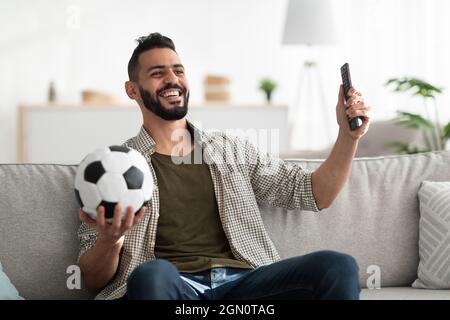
column 154, row 104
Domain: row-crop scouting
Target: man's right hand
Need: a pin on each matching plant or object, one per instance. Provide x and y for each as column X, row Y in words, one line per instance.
column 112, row 233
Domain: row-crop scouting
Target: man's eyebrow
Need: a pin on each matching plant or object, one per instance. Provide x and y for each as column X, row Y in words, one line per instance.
column 161, row 66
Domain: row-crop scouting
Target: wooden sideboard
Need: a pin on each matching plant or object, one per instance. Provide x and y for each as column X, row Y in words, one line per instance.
column 65, row 134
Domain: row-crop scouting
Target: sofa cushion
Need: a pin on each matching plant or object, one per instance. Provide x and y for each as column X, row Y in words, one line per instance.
column 434, row 236
column 7, row 289
column 375, row 217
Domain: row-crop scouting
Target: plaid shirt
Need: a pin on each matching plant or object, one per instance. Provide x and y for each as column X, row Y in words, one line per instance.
column 242, row 178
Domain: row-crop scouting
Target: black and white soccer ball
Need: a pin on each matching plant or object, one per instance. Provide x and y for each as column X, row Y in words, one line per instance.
column 112, row 175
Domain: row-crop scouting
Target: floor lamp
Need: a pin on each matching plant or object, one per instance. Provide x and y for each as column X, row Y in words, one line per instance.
column 309, row 23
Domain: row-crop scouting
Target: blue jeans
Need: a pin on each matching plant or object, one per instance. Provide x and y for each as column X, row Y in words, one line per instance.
column 318, row 275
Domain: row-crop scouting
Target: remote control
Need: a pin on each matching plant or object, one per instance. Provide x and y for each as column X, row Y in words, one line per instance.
column 356, row 122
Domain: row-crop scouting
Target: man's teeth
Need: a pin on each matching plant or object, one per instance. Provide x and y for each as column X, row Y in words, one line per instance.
column 170, row 93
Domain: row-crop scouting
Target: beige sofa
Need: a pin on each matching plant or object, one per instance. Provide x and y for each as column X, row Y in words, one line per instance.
column 375, row 218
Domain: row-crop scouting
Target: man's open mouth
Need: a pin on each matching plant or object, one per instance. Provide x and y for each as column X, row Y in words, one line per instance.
column 171, row 95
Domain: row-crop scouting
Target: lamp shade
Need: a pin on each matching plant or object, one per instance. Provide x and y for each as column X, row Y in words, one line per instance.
column 309, row 22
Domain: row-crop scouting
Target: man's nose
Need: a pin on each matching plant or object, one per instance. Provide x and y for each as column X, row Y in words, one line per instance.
column 171, row 77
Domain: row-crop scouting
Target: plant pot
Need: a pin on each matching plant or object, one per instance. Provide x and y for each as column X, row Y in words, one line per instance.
column 268, row 97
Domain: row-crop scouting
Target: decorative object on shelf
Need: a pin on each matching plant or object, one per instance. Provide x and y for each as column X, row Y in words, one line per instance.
column 217, row 88
column 51, row 96
column 310, row 23
column 95, row 97
column 435, row 135
column 268, row 86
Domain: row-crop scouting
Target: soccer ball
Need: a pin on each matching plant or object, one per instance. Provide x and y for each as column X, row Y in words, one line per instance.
column 112, row 175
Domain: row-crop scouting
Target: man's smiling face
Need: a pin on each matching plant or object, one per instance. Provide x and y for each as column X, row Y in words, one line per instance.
column 162, row 83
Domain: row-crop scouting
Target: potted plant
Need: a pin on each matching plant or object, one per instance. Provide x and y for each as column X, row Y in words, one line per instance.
column 434, row 134
column 268, row 86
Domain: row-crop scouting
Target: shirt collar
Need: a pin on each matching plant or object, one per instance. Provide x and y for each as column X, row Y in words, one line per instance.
column 145, row 144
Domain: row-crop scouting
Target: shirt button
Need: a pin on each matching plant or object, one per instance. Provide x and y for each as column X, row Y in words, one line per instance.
column 152, row 244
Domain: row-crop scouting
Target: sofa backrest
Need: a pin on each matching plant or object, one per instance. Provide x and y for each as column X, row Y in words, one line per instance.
column 39, row 222
column 374, row 218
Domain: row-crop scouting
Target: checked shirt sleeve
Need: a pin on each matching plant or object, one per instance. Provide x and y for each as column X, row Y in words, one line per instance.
column 279, row 183
column 87, row 237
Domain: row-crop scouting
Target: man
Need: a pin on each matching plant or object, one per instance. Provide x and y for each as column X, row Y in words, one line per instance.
column 202, row 236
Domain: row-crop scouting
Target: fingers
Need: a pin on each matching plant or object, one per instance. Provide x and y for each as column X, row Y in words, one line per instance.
column 117, row 218
column 354, row 96
column 358, row 106
column 354, row 91
column 139, row 216
column 118, row 226
column 359, row 112
column 354, row 100
column 86, row 218
column 355, row 105
column 128, row 222
column 101, row 217
column 341, row 96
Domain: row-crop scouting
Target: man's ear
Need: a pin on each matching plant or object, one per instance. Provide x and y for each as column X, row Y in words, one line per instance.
column 131, row 89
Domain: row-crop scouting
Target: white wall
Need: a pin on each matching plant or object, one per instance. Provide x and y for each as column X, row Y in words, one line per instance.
column 40, row 41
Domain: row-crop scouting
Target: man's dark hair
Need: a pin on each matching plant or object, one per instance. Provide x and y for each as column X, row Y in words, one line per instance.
column 152, row 41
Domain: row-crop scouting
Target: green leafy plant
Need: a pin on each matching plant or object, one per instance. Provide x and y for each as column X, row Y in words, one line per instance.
column 268, row 86
column 434, row 134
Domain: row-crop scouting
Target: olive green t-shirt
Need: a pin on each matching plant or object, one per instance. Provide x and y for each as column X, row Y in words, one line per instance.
column 189, row 233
